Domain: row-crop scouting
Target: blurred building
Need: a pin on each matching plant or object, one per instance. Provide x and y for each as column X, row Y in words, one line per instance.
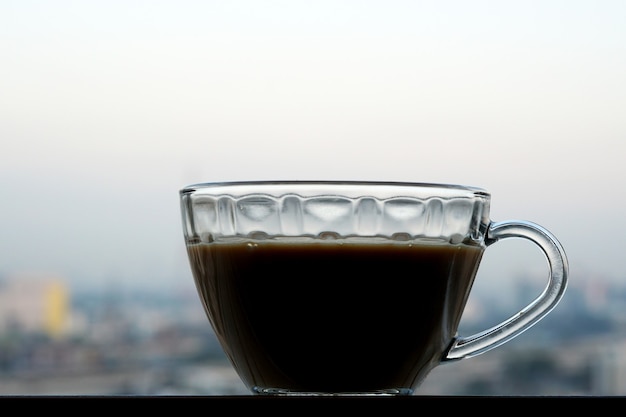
column 35, row 303
column 609, row 369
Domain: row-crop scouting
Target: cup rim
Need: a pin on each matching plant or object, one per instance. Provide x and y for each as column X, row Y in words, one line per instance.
column 478, row 191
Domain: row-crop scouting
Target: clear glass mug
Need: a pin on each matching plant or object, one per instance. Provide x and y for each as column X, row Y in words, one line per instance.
column 348, row 288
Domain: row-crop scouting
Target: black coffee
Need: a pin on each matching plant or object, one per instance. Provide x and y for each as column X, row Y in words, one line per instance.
column 334, row 317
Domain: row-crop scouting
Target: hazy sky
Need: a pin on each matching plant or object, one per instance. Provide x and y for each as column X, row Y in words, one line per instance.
column 108, row 108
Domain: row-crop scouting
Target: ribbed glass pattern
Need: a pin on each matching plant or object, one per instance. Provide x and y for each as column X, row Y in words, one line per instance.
column 401, row 211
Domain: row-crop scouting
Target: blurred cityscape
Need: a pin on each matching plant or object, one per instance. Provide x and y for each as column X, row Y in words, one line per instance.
column 58, row 340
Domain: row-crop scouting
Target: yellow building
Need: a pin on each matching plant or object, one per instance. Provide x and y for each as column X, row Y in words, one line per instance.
column 37, row 303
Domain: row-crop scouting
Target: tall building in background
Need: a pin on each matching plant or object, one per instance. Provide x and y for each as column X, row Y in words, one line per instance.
column 35, row 303
column 609, row 369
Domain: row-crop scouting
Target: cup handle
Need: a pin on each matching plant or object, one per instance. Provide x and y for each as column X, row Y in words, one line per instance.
column 466, row 347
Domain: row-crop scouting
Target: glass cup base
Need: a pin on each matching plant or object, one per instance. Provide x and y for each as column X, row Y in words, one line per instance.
column 394, row 392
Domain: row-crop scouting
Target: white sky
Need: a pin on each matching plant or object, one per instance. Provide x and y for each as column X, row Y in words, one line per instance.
column 107, row 108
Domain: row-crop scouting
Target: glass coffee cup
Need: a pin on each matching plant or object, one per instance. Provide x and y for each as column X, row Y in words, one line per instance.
column 346, row 287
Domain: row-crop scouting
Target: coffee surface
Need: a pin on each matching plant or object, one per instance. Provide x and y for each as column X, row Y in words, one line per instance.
column 335, row 316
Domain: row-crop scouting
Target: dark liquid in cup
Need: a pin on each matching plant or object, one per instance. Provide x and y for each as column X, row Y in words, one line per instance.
column 336, row 316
